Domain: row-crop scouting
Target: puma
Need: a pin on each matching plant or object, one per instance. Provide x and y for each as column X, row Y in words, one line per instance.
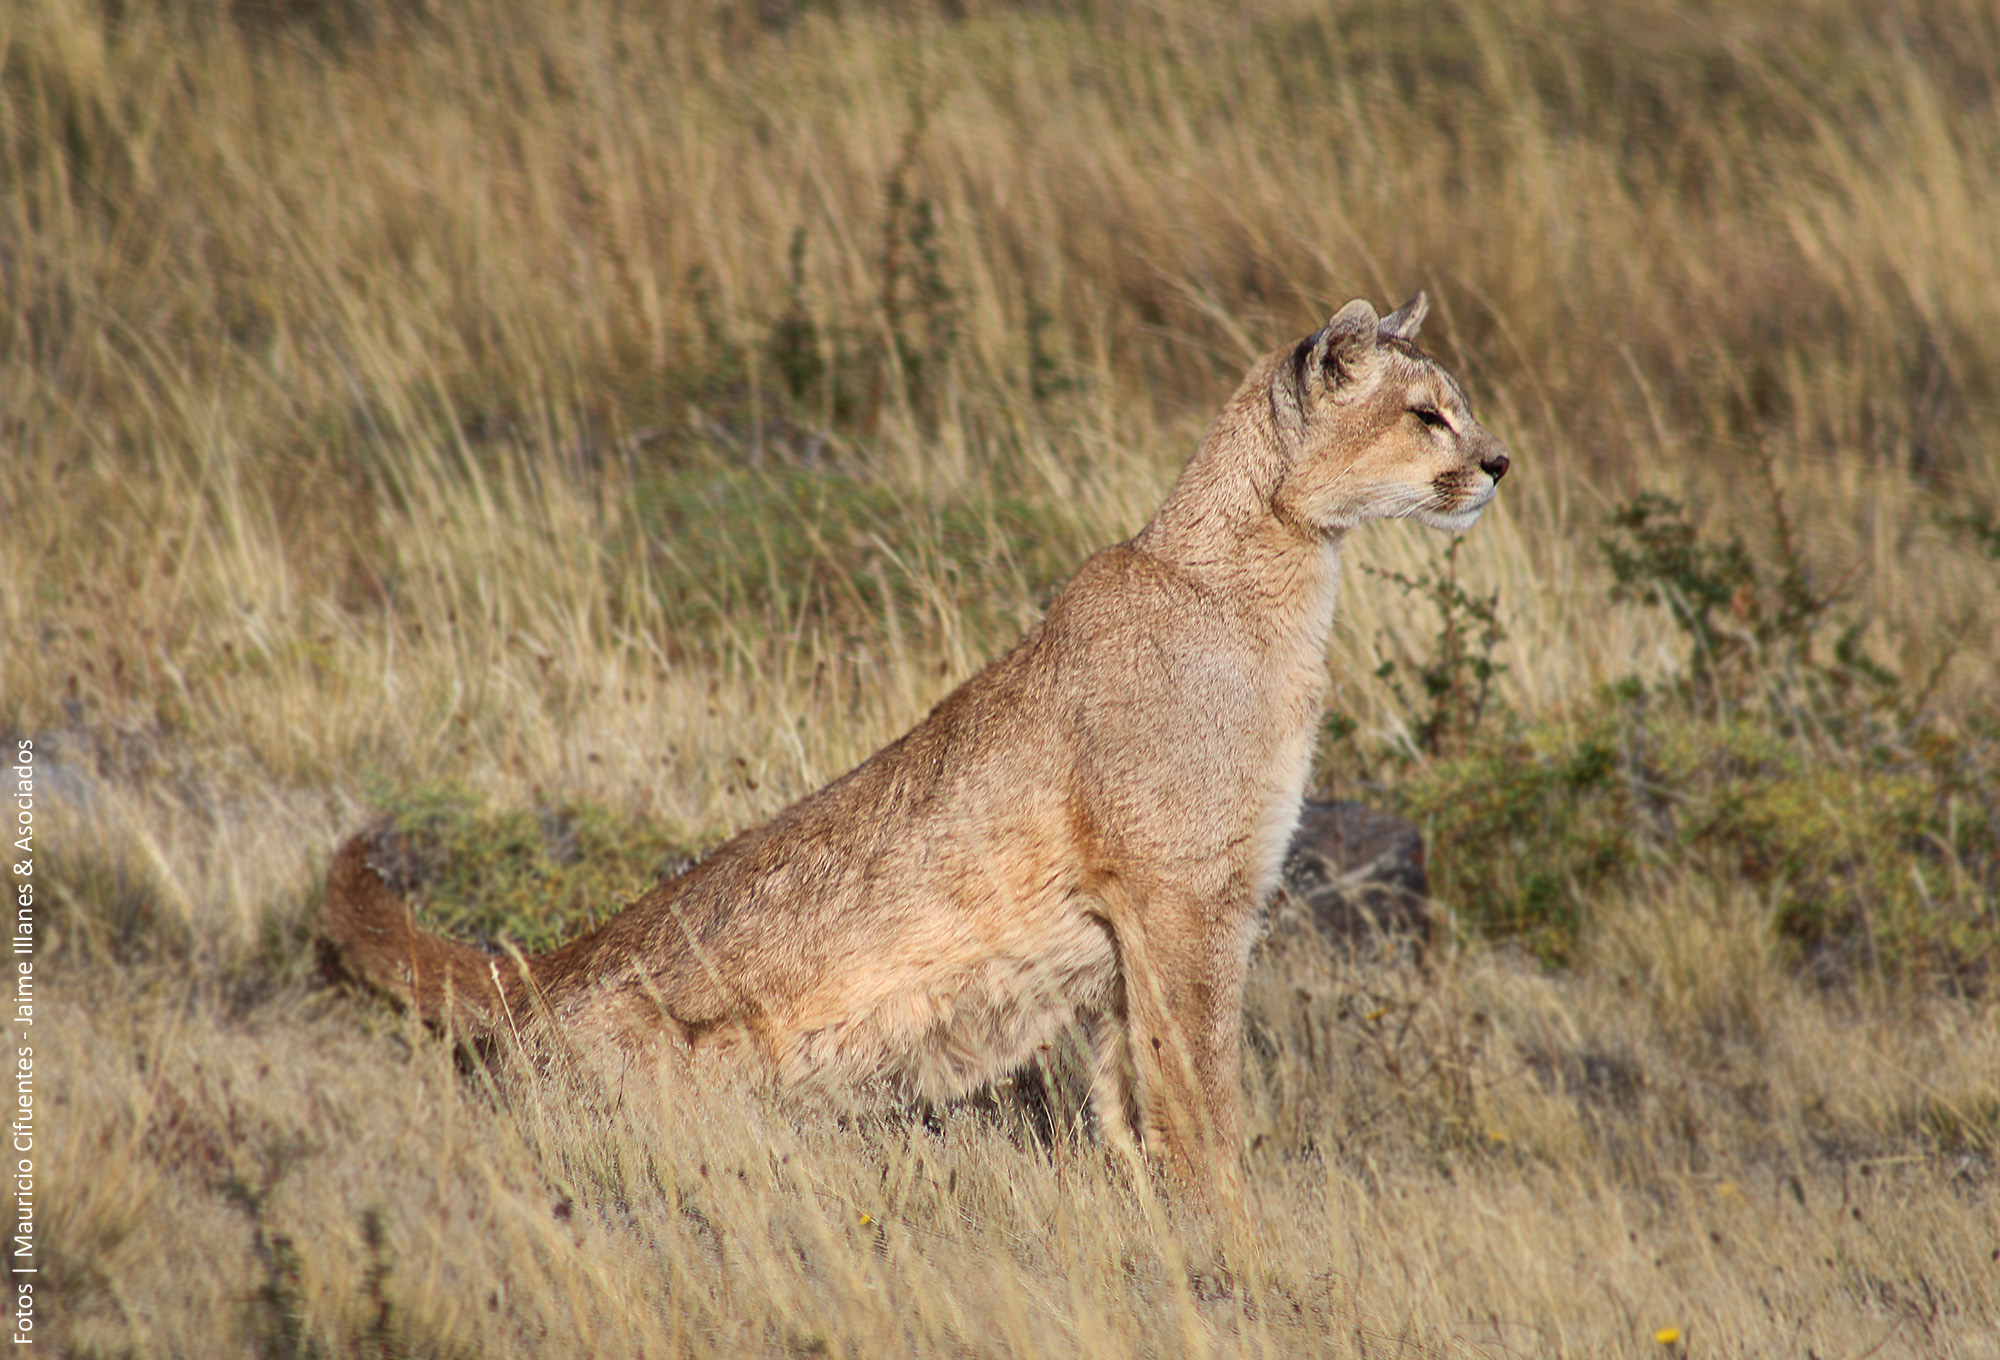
column 1084, row 831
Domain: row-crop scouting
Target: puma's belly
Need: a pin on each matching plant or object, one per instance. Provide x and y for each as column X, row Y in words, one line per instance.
column 935, row 1023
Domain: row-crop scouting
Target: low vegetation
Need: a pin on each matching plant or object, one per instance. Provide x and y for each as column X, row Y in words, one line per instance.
column 563, row 435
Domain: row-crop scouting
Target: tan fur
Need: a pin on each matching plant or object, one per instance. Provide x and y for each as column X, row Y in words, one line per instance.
column 1085, row 830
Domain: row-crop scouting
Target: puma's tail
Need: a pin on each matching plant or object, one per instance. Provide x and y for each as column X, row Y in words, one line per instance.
column 375, row 940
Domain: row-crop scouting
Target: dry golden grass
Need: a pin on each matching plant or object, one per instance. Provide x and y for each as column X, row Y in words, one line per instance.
column 394, row 393
column 1487, row 1161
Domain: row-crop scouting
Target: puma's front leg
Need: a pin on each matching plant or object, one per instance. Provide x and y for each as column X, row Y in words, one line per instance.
column 1183, row 987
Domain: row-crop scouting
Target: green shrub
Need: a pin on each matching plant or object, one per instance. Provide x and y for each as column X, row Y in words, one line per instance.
column 1883, row 866
column 1777, row 759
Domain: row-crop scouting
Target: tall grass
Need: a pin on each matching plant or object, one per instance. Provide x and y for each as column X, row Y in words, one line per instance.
column 657, row 406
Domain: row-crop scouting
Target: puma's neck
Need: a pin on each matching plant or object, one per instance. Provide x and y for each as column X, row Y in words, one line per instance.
column 1220, row 527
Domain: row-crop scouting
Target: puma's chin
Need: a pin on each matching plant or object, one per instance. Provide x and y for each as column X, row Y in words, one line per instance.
column 1454, row 521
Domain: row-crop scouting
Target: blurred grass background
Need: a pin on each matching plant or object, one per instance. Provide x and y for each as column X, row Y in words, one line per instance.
column 578, row 430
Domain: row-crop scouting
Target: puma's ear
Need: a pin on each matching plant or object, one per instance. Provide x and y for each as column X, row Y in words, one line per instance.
column 1338, row 354
column 1402, row 323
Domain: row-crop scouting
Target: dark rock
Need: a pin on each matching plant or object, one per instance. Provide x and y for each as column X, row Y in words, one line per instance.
column 1359, row 873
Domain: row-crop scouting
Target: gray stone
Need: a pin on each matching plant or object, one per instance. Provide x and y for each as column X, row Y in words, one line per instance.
column 1359, row 874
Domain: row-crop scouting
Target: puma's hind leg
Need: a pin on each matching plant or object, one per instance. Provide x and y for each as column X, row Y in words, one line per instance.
column 1112, row 1097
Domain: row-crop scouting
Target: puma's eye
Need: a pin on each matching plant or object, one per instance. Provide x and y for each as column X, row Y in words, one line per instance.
column 1431, row 416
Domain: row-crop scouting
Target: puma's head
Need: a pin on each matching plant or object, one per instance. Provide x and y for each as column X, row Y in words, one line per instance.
column 1377, row 429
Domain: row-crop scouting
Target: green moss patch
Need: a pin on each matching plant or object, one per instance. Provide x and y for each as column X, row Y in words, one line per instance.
column 531, row 877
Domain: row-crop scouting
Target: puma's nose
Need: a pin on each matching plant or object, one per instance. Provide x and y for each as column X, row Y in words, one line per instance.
column 1494, row 467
